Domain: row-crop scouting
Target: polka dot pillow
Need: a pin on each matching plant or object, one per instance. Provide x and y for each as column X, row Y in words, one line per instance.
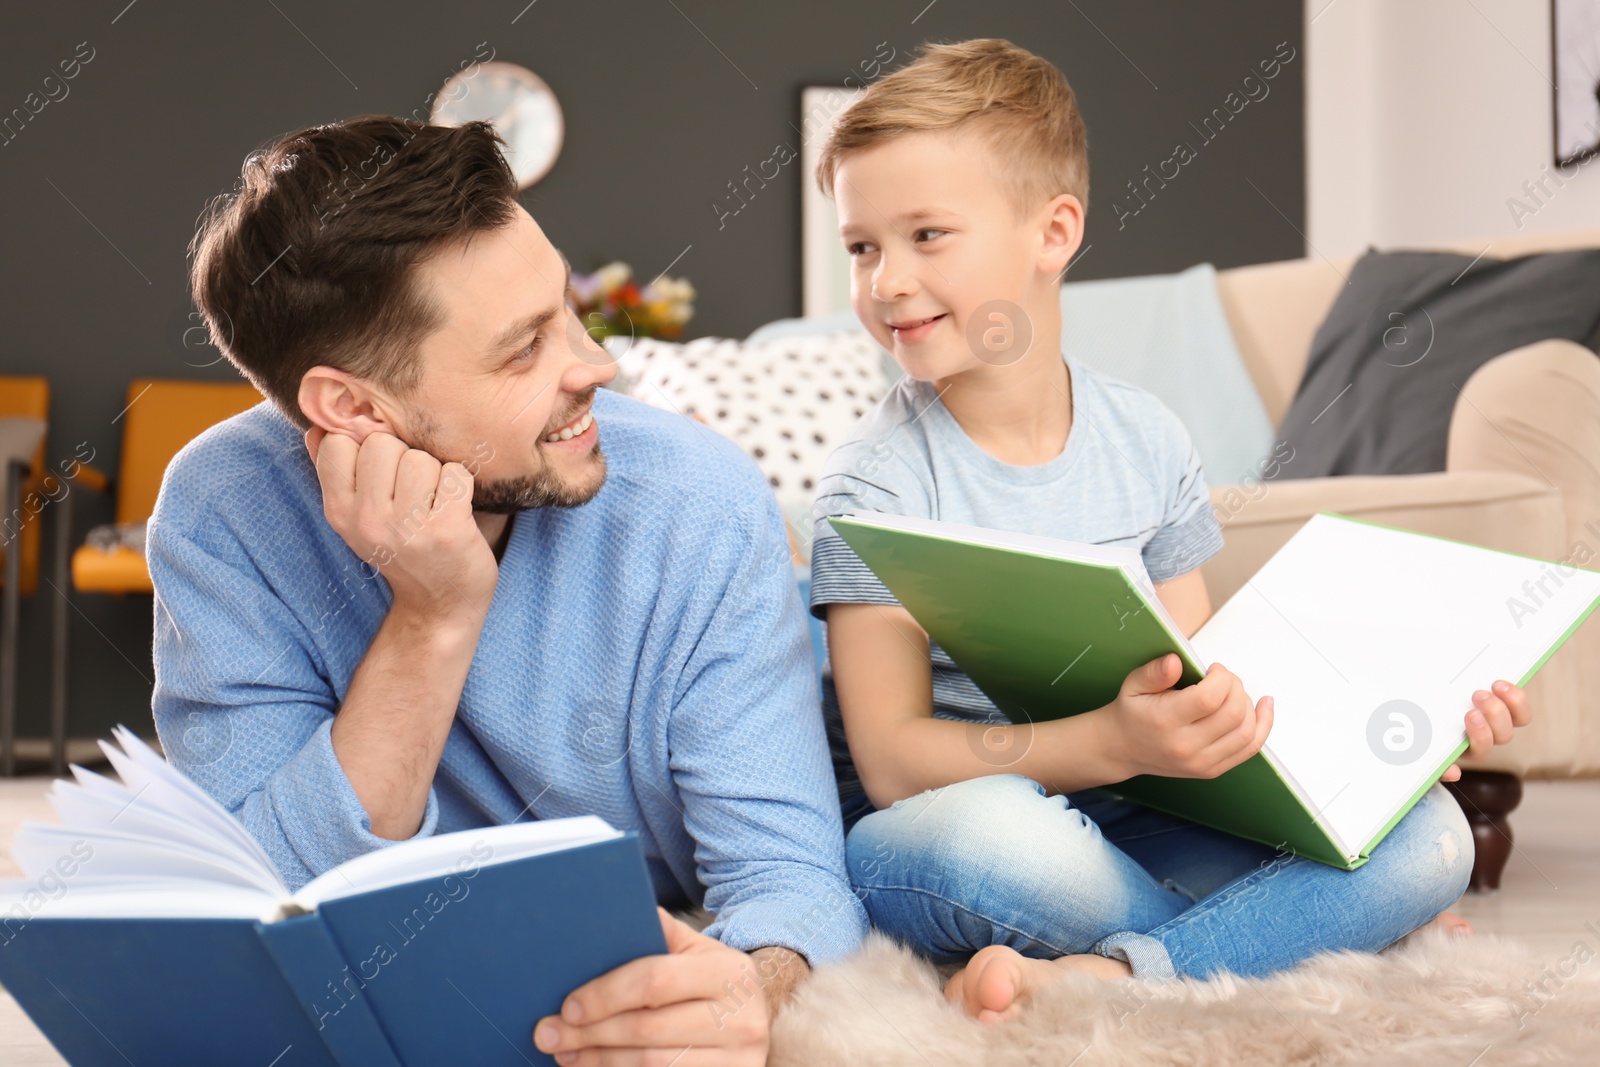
column 788, row 403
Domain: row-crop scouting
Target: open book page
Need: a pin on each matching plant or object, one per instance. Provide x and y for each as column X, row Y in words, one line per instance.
column 22, row 899
column 94, row 802
column 151, row 778
column 113, row 855
column 463, row 851
column 156, row 845
column 1372, row 642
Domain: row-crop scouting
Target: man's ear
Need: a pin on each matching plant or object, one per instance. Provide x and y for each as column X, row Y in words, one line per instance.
column 342, row 403
column 1061, row 232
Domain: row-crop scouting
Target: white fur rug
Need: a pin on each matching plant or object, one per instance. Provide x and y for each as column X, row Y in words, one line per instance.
column 1432, row 998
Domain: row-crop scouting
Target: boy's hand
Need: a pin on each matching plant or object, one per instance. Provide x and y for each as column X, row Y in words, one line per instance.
column 407, row 514
column 675, row 1008
column 1196, row 732
column 1491, row 721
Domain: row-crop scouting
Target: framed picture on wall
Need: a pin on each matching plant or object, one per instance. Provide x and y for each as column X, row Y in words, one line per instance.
column 1575, row 47
column 824, row 266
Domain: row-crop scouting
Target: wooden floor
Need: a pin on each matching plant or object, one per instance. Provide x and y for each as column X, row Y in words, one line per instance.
column 1551, row 888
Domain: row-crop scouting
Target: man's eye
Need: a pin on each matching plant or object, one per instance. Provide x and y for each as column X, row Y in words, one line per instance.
column 527, row 353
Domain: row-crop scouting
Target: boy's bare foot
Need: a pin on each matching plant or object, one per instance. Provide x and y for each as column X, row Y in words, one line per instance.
column 1451, row 923
column 998, row 979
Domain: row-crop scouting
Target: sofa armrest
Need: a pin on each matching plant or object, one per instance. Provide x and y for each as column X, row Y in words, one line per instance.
column 1497, row 509
column 1535, row 411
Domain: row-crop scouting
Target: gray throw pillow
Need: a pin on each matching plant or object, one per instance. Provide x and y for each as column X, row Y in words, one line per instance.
column 1387, row 365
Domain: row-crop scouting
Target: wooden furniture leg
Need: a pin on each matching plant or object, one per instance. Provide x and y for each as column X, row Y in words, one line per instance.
column 1487, row 798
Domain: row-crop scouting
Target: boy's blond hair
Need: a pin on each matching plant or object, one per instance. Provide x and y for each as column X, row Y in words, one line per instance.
column 1022, row 104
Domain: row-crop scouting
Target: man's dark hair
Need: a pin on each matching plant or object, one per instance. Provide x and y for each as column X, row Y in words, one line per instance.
column 311, row 261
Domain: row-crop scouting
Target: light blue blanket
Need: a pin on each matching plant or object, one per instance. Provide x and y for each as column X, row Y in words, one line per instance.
column 1166, row 334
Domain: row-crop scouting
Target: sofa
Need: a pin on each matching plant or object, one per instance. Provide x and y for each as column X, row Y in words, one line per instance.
column 1522, row 475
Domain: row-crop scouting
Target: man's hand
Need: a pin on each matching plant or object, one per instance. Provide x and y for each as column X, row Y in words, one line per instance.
column 701, row 1004
column 410, row 516
column 1196, row 732
column 1491, row 722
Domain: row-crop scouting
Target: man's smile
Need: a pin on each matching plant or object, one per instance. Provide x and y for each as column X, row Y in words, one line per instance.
column 575, row 431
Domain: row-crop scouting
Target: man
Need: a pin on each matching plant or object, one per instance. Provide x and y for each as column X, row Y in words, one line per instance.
column 411, row 593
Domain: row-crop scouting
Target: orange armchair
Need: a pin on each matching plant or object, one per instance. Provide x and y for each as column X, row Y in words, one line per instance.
column 25, row 496
column 161, row 417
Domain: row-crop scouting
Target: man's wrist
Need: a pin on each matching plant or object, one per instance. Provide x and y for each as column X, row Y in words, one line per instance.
column 443, row 630
column 779, row 970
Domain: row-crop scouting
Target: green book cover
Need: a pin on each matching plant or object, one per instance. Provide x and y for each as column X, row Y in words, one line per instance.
column 1050, row 628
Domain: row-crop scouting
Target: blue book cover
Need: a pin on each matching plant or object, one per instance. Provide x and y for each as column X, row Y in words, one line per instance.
column 150, row 928
column 448, row 969
column 110, row 992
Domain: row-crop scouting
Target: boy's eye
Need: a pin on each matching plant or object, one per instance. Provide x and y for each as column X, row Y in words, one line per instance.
column 858, row 248
column 928, row 234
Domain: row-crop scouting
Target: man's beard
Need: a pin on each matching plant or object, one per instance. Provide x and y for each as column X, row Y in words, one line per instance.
column 507, row 496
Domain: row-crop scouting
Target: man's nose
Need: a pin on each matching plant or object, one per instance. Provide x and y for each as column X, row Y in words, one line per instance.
column 590, row 363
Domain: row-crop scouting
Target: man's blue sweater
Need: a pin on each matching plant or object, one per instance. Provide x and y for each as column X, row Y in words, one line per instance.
column 644, row 659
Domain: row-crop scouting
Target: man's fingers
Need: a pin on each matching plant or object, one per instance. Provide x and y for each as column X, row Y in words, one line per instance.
column 731, row 1020
column 680, row 935
column 378, row 464
column 313, row 438
column 416, row 481
column 455, row 485
column 651, row 982
column 336, row 467
column 649, row 1057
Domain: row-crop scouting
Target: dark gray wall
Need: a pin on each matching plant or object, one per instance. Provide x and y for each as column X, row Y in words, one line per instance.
column 666, row 101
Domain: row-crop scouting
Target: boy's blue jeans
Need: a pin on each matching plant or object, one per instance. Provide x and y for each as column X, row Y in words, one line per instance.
column 994, row 861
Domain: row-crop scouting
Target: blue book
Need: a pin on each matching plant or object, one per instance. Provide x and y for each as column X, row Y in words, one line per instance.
column 149, row 927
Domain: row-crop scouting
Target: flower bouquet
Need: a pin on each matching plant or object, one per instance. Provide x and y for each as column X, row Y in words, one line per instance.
column 611, row 304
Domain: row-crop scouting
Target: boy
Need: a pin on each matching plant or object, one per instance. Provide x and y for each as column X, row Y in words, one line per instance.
column 961, row 182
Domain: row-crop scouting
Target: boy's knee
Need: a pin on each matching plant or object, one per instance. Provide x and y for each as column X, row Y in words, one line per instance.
column 1442, row 849
column 991, row 820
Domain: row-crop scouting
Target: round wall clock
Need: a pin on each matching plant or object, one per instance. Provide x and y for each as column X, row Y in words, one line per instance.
column 519, row 105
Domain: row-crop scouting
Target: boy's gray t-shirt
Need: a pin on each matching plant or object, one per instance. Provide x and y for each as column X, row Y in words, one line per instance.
column 1128, row 476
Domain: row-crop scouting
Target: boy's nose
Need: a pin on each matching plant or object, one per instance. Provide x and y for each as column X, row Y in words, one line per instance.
column 896, row 277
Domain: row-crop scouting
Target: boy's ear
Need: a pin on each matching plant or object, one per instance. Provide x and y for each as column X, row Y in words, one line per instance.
column 1061, row 232
column 339, row 402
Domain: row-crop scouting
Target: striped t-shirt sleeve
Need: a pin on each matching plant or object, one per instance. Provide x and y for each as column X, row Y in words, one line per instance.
column 1189, row 533
column 856, row 480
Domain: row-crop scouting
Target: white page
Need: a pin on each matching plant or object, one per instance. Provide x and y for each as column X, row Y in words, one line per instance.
column 1347, row 617
column 109, row 813
column 38, row 847
column 463, row 850
column 148, row 775
column 172, row 898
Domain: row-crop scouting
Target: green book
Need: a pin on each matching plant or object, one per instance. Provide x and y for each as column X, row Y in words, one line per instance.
column 1370, row 639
